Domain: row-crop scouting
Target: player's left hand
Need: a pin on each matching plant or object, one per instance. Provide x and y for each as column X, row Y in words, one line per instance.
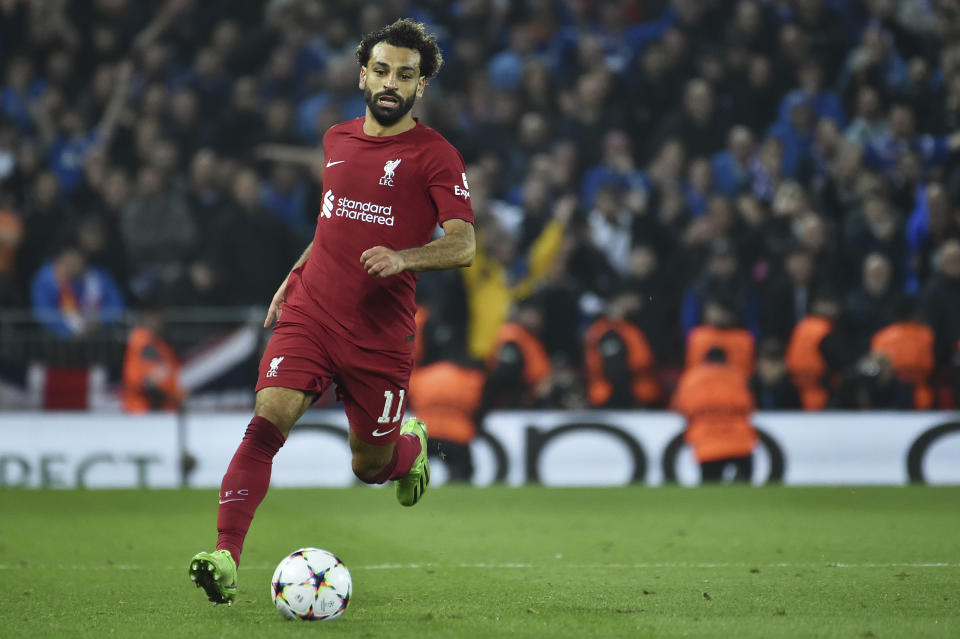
column 380, row 261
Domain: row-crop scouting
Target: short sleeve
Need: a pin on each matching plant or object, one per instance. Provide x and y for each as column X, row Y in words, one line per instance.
column 447, row 183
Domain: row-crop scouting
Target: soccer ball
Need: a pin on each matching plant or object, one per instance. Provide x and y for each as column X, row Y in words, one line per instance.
column 311, row 584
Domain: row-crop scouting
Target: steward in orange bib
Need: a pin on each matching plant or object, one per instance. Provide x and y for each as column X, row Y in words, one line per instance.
column 421, row 318
column 520, row 371
column 908, row 345
column 151, row 368
column 805, row 361
column 447, row 392
column 619, row 361
column 720, row 331
column 714, row 398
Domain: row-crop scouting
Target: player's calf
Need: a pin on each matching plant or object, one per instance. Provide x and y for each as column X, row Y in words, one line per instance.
column 407, row 464
column 369, row 470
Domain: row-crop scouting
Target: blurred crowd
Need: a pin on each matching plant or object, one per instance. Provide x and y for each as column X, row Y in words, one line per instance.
column 651, row 179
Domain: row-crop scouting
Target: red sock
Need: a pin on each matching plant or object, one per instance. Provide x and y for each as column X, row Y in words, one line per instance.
column 245, row 484
column 405, row 452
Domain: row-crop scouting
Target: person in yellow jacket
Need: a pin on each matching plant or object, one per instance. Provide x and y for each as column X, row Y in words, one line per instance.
column 151, row 368
column 490, row 288
column 717, row 403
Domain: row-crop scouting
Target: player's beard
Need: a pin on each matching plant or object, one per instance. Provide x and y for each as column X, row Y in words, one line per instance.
column 388, row 117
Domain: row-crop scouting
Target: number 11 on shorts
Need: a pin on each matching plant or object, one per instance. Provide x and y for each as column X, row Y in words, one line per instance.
column 388, row 404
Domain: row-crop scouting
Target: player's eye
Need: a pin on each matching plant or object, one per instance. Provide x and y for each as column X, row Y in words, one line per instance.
column 380, row 72
column 406, row 76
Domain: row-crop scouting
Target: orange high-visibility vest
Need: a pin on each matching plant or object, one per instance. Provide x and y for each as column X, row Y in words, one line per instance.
column 806, row 364
column 909, row 347
column 644, row 385
column 421, row 317
column 737, row 343
column 717, row 403
column 447, row 396
column 11, row 230
column 536, row 362
column 150, row 363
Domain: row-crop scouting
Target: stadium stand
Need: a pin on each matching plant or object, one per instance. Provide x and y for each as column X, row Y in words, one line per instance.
column 765, row 152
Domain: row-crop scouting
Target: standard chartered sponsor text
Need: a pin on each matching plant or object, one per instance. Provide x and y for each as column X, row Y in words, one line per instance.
column 369, row 212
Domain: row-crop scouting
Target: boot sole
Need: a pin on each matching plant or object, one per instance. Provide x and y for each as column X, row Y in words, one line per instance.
column 204, row 574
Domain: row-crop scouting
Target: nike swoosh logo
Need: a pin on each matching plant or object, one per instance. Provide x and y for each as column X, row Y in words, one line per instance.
column 224, row 501
column 377, row 432
column 337, row 162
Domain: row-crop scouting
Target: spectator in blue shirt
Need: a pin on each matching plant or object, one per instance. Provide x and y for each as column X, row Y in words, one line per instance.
column 71, row 298
column 731, row 167
column 826, row 104
column 868, row 124
column 928, row 228
column 883, row 153
column 285, row 195
column 21, row 88
column 875, row 60
column 618, row 168
column 70, row 148
column 795, row 132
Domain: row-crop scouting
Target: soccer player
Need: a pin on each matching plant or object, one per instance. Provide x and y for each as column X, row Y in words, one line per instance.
column 345, row 313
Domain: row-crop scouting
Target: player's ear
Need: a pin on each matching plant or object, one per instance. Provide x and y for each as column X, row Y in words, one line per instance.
column 421, row 85
column 363, row 77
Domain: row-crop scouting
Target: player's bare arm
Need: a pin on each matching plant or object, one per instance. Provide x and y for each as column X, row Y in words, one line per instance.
column 276, row 304
column 455, row 249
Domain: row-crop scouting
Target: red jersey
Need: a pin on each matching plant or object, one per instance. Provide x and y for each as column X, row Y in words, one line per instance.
column 378, row 191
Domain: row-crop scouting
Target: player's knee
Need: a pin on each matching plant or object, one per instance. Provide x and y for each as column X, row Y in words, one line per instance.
column 281, row 407
column 367, row 470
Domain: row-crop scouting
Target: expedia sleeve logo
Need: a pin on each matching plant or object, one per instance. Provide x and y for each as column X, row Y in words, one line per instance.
column 369, row 212
column 465, row 191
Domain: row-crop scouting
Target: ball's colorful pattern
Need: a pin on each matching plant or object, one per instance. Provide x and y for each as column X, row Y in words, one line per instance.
column 311, row 584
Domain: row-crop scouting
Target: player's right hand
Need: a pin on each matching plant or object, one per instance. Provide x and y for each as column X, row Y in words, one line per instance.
column 276, row 304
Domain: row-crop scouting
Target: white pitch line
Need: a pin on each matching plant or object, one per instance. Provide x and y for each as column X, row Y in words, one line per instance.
column 916, row 565
column 504, row 566
column 432, row 565
column 661, row 565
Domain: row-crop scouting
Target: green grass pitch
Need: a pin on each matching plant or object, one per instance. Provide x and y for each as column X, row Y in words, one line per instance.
column 499, row 562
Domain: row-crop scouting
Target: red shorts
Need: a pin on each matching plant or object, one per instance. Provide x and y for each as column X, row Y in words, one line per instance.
column 305, row 355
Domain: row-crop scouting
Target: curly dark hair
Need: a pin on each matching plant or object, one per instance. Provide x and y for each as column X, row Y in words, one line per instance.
column 408, row 34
